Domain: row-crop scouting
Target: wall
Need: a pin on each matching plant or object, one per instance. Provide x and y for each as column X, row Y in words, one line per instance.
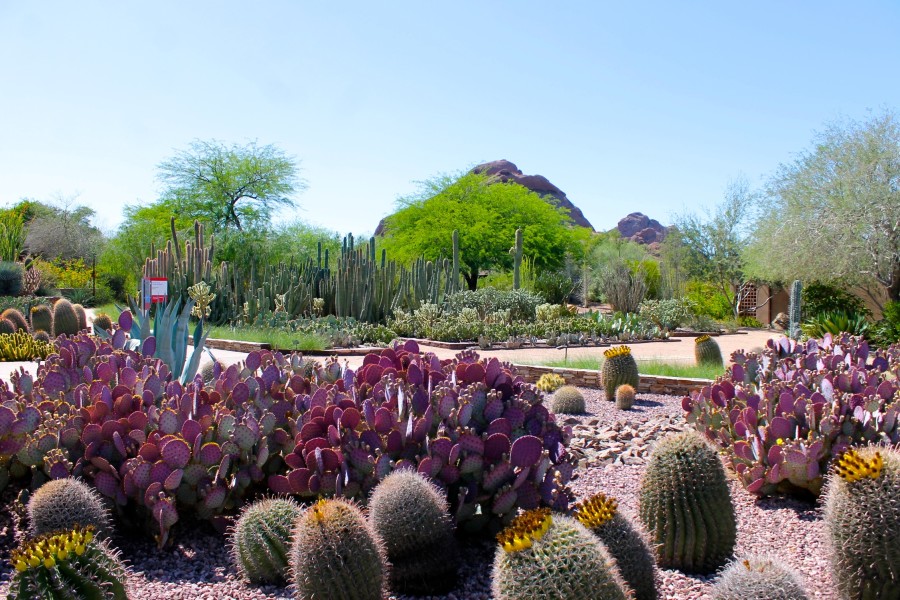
column 650, row 384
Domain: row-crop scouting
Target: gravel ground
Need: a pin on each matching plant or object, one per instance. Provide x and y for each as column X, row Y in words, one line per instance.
column 612, row 447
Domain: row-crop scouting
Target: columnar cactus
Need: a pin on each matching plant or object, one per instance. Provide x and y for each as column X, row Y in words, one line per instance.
column 758, row 578
column 335, row 554
column 261, row 539
column 707, row 352
column 686, row 506
column 633, row 556
column 543, row 557
column 794, row 312
column 67, row 564
column 862, row 515
column 65, row 318
column 62, row 504
column 567, row 400
column 517, row 260
column 624, row 397
column 41, row 318
column 618, row 368
column 410, row 514
column 18, row 319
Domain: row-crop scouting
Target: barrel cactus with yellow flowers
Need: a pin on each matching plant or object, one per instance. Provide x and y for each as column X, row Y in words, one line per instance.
column 618, row 369
column 544, row 556
column 601, row 516
column 707, row 352
column 862, row 516
column 67, row 564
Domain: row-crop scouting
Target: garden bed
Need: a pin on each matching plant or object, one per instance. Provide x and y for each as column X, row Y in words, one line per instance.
column 589, row 378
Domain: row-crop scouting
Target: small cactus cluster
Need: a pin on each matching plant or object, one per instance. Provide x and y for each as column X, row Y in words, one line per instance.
column 685, row 505
column 21, row 345
column 707, row 352
column 543, row 556
column 619, row 368
column 67, row 564
column 410, row 515
column 862, row 517
column 336, row 555
column 758, row 578
column 261, row 539
column 631, row 551
column 62, row 504
column 625, row 397
column 567, row 400
column 550, row 382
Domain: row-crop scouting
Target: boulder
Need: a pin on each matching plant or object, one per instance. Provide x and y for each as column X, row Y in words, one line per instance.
column 642, row 229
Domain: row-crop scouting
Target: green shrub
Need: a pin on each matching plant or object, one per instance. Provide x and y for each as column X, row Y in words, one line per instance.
column 818, row 298
column 554, row 286
column 835, row 323
column 11, row 281
column 707, row 300
column 887, row 330
column 667, row 314
column 521, row 304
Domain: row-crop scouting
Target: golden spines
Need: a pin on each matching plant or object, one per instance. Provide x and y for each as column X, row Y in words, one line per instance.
column 853, row 467
column 701, row 339
column 525, row 529
column 596, row 510
column 50, row 548
column 617, row 351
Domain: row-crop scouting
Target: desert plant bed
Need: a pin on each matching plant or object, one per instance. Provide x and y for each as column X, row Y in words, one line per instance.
column 611, row 447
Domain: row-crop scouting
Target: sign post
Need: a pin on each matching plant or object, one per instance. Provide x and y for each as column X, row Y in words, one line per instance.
column 154, row 290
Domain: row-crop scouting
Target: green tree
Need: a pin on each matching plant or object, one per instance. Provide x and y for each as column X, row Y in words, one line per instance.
column 487, row 216
column 713, row 243
column 834, row 212
column 61, row 229
column 229, row 187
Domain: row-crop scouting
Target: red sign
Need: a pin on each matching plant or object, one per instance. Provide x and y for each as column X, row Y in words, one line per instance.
column 154, row 290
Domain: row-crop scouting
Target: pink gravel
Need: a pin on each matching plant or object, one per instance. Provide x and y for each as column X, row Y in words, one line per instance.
column 198, row 568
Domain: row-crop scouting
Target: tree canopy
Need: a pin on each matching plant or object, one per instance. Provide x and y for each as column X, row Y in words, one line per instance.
column 486, row 215
column 834, row 212
column 229, row 187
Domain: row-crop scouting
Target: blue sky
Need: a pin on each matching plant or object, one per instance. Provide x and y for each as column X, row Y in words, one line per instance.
column 627, row 106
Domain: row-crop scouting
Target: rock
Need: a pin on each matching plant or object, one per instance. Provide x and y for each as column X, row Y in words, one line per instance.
column 640, row 228
column 781, row 321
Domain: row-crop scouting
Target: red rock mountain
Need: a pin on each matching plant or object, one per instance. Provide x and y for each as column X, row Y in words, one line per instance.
column 640, row 228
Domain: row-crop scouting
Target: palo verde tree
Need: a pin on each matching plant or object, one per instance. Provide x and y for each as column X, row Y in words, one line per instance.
column 486, row 214
column 230, row 187
column 834, row 212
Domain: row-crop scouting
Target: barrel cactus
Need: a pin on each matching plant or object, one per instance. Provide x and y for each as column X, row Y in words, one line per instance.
column 103, row 322
column 410, row 515
column 543, row 557
column 618, row 368
column 17, row 318
column 41, row 318
column 862, row 516
column 65, row 318
column 758, row 578
column 67, row 564
column 567, row 400
column 42, row 336
column 82, row 316
column 550, row 382
column 7, row 326
column 261, row 538
column 633, row 556
column 707, row 352
column 685, row 505
column 624, row 397
column 62, row 504
column 336, row 555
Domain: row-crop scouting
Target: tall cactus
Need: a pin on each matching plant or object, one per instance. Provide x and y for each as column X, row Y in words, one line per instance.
column 794, row 309
column 517, row 260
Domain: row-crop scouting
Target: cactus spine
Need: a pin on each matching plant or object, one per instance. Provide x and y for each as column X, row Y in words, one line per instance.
column 544, row 557
column 633, row 556
column 16, row 317
column 624, row 397
column 862, row 516
column 65, row 319
column 707, row 352
column 62, row 504
column 41, row 318
column 567, row 400
column 517, row 260
column 102, row 322
column 686, row 506
column 67, row 564
column 411, row 515
column 335, row 554
column 758, row 578
column 794, row 310
column 618, row 368
column 82, row 316
column 261, row 537
column 550, row 382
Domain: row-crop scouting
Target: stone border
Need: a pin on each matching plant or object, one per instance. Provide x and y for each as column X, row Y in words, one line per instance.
column 651, row 384
column 542, row 345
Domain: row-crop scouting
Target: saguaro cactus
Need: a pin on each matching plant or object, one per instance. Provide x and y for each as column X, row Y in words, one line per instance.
column 794, row 309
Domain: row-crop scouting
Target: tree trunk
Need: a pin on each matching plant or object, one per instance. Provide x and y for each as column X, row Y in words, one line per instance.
column 471, row 278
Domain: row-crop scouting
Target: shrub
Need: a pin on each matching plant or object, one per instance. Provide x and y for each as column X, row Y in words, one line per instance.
column 835, row 323
column 818, row 298
column 623, row 288
column 795, row 407
column 11, row 278
column 707, row 300
column 686, row 506
column 520, row 303
column 554, row 287
column 666, row 314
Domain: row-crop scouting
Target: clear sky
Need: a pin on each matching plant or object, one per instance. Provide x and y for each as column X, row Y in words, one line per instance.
column 626, row 106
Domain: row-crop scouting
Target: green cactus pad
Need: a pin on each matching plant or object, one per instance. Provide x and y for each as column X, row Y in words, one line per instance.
column 619, row 367
column 544, row 557
column 758, row 578
column 862, row 517
column 261, row 537
column 685, row 504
